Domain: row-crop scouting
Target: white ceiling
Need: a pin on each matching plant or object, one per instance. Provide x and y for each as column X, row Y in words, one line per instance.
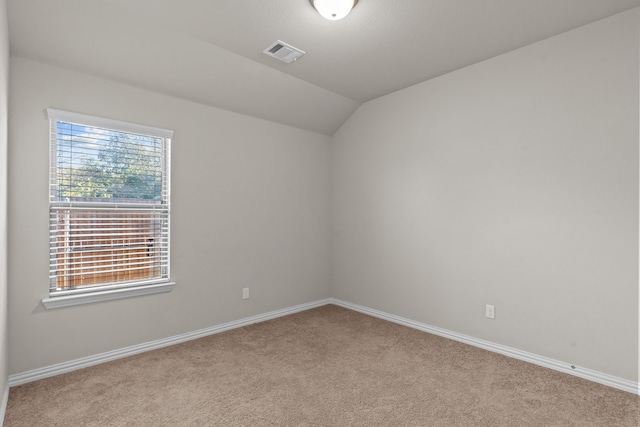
column 210, row 51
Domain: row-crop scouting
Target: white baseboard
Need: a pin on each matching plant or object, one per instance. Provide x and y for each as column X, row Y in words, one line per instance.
column 556, row 365
column 3, row 408
column 61, row 368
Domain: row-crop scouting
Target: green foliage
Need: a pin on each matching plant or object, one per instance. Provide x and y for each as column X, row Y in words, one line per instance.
column 125, row 167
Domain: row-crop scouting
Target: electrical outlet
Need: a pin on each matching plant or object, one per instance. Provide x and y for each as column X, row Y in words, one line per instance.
column 490, row 311
column 245, row 293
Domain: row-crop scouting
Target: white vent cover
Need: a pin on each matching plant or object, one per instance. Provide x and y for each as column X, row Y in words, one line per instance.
column 284, row 52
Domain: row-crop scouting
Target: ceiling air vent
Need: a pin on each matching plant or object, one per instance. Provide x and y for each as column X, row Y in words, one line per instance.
column 284, row 52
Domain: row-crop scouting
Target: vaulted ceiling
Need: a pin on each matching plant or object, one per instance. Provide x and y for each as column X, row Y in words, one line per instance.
column 210, row 51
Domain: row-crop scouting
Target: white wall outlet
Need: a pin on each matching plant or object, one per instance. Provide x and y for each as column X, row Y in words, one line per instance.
column 245, row 293
column 490, row 311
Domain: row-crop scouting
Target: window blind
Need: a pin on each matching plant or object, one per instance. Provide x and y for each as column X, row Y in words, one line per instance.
column 109, row 204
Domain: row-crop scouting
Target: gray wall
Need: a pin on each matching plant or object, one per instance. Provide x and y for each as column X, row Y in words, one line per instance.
column 249, row 209
column 4, row 88
column 512, row 182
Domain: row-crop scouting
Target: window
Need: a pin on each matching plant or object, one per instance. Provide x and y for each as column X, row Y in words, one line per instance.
column 109, row 209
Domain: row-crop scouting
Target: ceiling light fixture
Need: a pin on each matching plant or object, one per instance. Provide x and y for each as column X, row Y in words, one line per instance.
column 333, row 9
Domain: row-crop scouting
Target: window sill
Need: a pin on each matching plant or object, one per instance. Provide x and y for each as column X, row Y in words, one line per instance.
column 77, row 299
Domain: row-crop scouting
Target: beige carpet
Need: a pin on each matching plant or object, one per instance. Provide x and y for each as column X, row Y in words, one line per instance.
column 323, row 367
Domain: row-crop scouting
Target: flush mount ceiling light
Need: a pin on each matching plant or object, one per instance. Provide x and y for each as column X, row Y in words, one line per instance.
column 333, row 9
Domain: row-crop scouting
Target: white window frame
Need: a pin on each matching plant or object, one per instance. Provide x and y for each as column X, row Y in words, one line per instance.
column 106, row 292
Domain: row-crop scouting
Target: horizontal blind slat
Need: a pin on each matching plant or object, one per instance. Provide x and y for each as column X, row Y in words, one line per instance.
column 114, row 268
column 113, row 260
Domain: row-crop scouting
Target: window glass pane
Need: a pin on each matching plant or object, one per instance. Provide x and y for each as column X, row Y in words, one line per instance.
column 98, row 246
column 105, row 164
